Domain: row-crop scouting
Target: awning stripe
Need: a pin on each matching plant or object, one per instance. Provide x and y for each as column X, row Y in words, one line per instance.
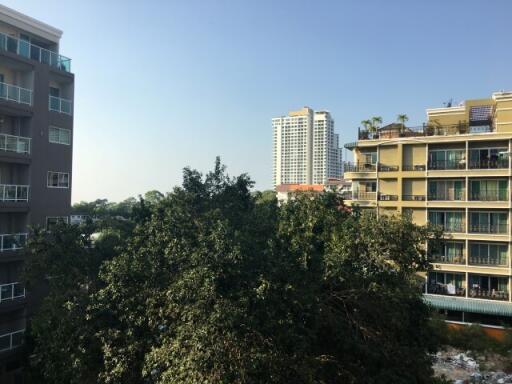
column 469, row 305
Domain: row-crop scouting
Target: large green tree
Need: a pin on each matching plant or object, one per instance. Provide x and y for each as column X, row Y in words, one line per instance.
column 217, row 285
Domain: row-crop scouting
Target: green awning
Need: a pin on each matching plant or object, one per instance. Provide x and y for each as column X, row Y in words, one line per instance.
column 452, row 303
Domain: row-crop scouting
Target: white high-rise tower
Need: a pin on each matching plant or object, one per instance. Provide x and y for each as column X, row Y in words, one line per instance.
column 306, row 149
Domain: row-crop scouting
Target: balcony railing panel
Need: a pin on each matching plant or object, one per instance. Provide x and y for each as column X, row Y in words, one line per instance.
column 11, row 291
column 459, row 196
column 58, row 104
column 447, row 164
column 11, row 340
column 18, row 144
column 411, row 168
column 34, row 52
column 13, row 193
column 360, row 167
column 491, row 294
column 384, row 197
column 14, row 93
column 413, row 197
column 12, row 242
column 364, row 195
column 489, row 228
column 489, row 196
column 388, row 168
column 443, row 289
column 488, row 164
column 448, row 259
column 487, row 260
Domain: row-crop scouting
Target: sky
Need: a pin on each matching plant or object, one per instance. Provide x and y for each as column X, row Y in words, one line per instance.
column 161, row 85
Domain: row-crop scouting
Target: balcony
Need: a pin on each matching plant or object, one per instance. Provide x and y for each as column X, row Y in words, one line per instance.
column 364, row 195
column 442, row 165
column 13, row 193
column 499, row 163
column 11, row 291
column 360, row 167
column 11, row 340
column 14, row 93
column 34, row 52
column 489, row 228
column 413, row 197
column 18, row 144
column 346, row 195
column 12, row 242
column 59, row 104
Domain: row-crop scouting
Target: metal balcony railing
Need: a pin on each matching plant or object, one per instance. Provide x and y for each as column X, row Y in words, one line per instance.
column 13, row 193
column 34, row 52
column 385, row 197
column 447, row 259
column 14, row 93
column 446, row 164
column 360, row 167
column 489, row 294
column 413, row 197
column 11, row 291
column 346, row 195
column 410, row 168
column 12, row 242
column 489, row 196
column 18, row 144
column 58, row 104
column 388, row 168
column 459, row 196
column 364, row 195
column 488, row 228
column 487, row 260
column 11, row 340
column 453, row 227
column 488, row 164
column 442, row 289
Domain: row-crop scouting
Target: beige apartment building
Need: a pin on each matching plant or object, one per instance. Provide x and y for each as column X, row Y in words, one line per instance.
column 455, row 171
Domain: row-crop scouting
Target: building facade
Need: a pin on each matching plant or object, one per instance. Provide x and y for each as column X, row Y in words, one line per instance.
column 36, row 129
column 305, row 148
column 454, row 171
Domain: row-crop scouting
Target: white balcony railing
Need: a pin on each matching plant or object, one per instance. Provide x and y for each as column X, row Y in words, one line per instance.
column 11, row 291
column 11, row 340
column 13, row 193
column 18, row 144
column 12, row 242
column 58, row 104
column 34, row 52
column 14, row 93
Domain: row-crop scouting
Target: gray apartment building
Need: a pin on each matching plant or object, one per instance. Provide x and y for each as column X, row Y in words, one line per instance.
column 36, row 130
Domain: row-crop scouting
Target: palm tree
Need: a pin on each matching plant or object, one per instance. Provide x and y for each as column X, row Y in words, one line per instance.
column 402, row 119
column 375, row 124
column 366, row 124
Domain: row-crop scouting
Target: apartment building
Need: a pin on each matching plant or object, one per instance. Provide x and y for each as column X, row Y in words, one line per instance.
column 305, row 148
column 36, row 125
column 454, row 171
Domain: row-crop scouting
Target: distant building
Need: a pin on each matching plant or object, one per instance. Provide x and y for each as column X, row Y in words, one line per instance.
column 287, row 191
column 305, row 148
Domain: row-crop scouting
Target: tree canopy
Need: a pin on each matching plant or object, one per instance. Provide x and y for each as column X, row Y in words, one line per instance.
column 218, row 285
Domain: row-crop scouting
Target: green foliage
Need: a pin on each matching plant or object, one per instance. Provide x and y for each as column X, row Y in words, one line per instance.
column 219, row 285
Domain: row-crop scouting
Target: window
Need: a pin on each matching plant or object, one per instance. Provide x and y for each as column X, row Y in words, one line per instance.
column 488, row 254
column 489, row 190
column 54, row 220
column 59, row 135
column 58, row 179
column 450, row 221
column 489, row 222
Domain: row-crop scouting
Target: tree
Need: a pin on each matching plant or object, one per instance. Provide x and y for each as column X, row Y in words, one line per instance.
column 217, row 285
column 402, row 119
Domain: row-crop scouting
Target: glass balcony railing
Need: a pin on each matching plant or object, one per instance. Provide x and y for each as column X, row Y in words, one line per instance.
column 12, row 242
column 489, row 228
column 58, row 104
column 14, row 93
column 11, row 291
column 13, row 193
column 18, row 144
column 11, row 340
column 34, row 52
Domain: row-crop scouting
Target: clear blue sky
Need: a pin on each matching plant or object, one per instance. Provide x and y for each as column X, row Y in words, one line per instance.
column 165, row 84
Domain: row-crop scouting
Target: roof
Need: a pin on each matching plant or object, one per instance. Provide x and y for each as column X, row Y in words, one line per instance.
column 299, row 187
column 499, row 308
